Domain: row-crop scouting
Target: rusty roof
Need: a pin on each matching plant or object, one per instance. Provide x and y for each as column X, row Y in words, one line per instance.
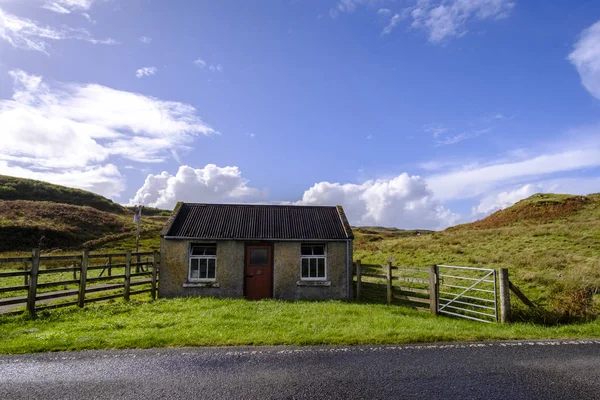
column 257, row 222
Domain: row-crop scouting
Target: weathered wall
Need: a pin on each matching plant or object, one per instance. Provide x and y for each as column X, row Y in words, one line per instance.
column 287, row 284
column 230, row 271
column 175, row 264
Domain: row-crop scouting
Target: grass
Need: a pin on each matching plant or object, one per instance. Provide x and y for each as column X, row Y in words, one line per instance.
column 12, row 188
column 228, row 322
column 551, row 261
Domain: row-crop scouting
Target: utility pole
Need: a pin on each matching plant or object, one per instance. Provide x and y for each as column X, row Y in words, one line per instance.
column 137, row 218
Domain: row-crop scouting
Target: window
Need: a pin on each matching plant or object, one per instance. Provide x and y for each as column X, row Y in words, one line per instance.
column 313, row 262
column 203, row 262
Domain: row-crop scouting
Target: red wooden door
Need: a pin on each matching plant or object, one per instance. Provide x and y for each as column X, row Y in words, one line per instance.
column 259, row 272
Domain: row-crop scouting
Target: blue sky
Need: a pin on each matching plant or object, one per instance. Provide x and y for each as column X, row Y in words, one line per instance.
column 416, row 114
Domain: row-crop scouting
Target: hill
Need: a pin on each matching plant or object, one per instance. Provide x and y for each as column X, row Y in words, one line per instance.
column 541, row 208
column 68, row 219
column 12, row 188
column 550, row 244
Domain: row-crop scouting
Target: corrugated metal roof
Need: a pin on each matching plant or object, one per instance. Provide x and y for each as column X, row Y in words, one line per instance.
column 258, row 222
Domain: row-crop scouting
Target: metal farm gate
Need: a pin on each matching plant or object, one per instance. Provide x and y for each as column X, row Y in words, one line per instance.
column 467, row 292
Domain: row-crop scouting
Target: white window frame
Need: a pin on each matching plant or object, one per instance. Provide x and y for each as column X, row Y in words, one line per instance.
column 201, row 257
column 324, row 256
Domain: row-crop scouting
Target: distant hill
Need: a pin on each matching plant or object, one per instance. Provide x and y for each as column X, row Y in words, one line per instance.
column 541, row 208
column 12, row 188
column 550, row 244
column 36, row 213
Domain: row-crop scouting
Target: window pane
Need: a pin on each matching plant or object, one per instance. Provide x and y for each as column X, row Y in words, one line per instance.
column 259, row 256
column 194, row 274
column 211, row 268
column 313, row 268
column 201, row 250
column 306, row 250
column 321, row 268
column 202, row 263
column 319, row 250
column 305, row 268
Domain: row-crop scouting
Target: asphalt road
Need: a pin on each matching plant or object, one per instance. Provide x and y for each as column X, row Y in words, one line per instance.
column 502, row 370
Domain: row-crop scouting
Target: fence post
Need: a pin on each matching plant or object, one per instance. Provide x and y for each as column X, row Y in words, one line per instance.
column 74, row 270
column 358, row 279
column 154, row 271
column 127, row 274
column 82, row 279
column 110, row 266
column 433, row 289
column 389, row 283
column 33, row 278
column 504, row 295
column 25, row 267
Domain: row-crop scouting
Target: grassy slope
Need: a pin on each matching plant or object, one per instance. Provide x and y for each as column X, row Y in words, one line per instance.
column 228, row 322
column 68, row 219
column 550, row 243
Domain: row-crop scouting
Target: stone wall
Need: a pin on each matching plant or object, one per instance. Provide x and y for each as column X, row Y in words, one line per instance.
column 175, row 264
column 287, row 283
column 230, row 271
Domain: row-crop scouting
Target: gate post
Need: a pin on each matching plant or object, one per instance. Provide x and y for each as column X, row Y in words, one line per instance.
column 389, row 283
column 433, row 289
column 504, row 295
column 358, row 280
column 127, row 283
column 33, row 278
column 82, row 279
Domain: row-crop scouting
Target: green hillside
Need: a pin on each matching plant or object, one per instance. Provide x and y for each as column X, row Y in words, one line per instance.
column 60, row 218
column 12, row 188
column 550, row 244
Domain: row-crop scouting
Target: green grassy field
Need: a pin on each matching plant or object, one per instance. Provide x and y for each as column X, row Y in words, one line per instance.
column 227, row 322
column 549, row 243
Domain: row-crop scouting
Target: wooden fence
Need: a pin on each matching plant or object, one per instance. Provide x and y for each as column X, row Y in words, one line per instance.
column 83, row 265
column 419, row 288
column 412, row 288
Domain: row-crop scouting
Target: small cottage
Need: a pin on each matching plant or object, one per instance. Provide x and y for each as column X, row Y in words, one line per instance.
column 257, row 252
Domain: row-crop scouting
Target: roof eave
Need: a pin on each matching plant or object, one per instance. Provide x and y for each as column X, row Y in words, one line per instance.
column 165, row 230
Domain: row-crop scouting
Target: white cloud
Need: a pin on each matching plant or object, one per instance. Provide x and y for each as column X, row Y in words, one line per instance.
column 384, row 11
column 216, row 68
column 88, row 18
column 27, row 34
column 105, row 180
column 444, row 19
column 479, row 180
column 586, row 58
column 57, row 8
column 392, row 24
column 453, row 139
column 404, row 201
column 61, row 6
column 146, row 71
column 435, row 129
column 499, row 201
column 145, row 39
column 504, row 199
column 200, row 63
column 211, row 184
column 81, row 127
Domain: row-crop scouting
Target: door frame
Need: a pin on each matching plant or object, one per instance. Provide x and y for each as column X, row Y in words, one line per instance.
column 271, row 266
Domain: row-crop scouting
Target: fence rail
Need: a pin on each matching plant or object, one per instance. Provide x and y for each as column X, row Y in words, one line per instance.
column 81, row 266
column 457, row 291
